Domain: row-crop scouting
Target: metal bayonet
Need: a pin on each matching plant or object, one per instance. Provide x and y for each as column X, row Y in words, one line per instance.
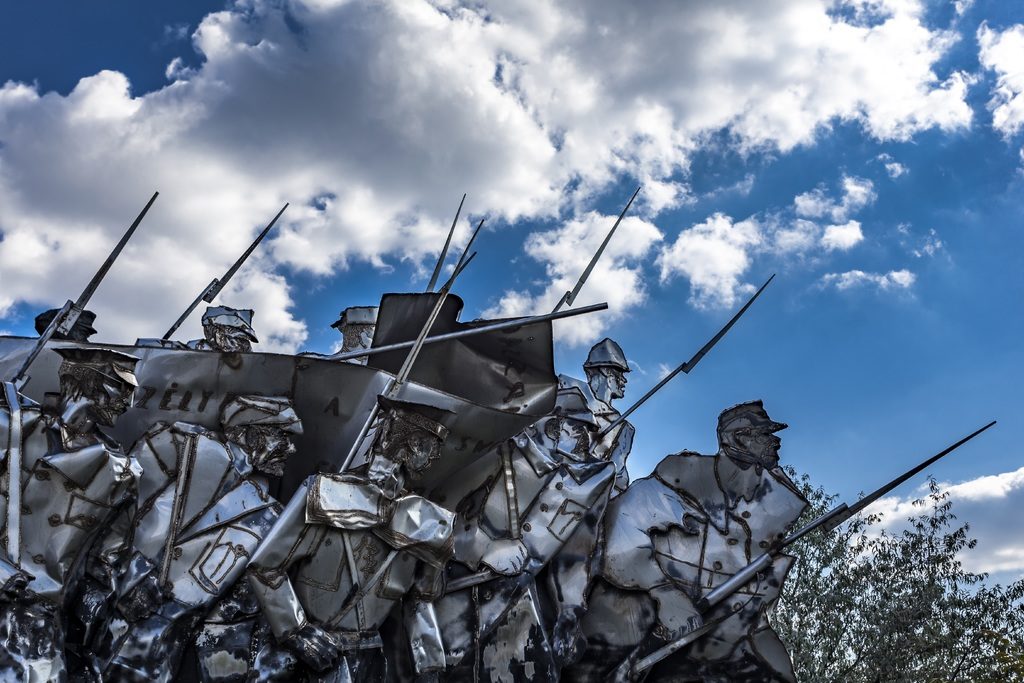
column 569, row 297
column 688, row 365
column 444, row 251
column 217, row 284
column 71, row 310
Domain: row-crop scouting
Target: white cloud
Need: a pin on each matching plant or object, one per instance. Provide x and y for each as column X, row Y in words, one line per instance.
column 842, row 237
column 797, row 237
column 990, row 504
column 895, row 169
column 961, row 6
column 857, row 193
column 713, row 256
column 387, row 110
column 894, row 279
column 565, row 252
column 930, row 246
column 1003, row 52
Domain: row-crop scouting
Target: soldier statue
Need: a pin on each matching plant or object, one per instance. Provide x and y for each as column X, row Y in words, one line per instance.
column 226, row 329
column 80, row 331
column 356, row 325
column 202, row 508
column 347, row 549
column 680, row 532
column 606, row 368
column 517, row 507
column 72, row 479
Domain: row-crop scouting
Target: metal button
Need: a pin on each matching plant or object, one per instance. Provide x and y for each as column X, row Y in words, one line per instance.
column 526, row 526
column 559, row 486
column 717, row 565
column 543, row 507
column 746, row 514
column 42, row 475
column 54, row 520
column 732, row 541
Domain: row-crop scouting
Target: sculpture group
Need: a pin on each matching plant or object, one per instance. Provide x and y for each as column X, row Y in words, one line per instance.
column 432, row 502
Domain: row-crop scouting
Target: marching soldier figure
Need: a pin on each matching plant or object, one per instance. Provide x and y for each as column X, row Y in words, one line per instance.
column 677, row 534
column 347, row 548
column 517, row 507
column 606, row 368
column 71, row 480
column 202, row 508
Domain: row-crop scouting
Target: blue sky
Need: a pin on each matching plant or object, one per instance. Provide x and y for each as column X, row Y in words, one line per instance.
column 868, row 153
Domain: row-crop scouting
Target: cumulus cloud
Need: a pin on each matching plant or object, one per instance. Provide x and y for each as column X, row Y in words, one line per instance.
column 990, row 504
column 893, row 280
column 371, row 116
column 842, row 237
column 856, row 194
column 565, row 252
column 1003, row 53
column 713, row 256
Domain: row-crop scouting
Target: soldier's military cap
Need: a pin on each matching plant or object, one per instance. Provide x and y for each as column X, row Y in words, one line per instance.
column 239, row 318
column 747, row 415
column 606, row 353
column 80, row 331
column 356, row 315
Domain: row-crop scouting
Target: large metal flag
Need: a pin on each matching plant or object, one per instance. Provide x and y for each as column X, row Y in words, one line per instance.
column 494, row 383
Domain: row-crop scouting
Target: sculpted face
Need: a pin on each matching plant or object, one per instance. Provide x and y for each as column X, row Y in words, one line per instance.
column 418, row 449
column 607, row 382
column 760, row 443
column 269, row 446
column 227, row 338
column 110, row 402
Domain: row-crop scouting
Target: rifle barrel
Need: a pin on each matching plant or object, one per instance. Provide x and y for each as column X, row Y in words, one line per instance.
column 90, row 288
column 448, row 336
column 569, row 297
column 241, row 259
column 688, row 365
column 444, row 251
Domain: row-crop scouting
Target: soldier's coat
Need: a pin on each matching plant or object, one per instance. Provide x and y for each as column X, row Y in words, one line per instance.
column 225, row 512
column 672, row 537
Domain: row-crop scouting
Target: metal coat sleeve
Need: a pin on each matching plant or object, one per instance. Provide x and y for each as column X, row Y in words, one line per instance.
column 289, row 541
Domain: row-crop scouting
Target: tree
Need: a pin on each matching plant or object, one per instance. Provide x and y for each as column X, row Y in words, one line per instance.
column 866, row 604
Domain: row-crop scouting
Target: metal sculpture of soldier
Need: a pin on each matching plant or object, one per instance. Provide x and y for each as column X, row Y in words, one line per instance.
column 356, row 325
column 346, row 550
column 680, row 532
column 517, row 508
column 226, row 329
column 606, row 368
column 203, row 506
column 71, row 480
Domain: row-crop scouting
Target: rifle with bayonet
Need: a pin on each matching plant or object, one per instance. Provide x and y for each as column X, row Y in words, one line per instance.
column 69, row 313
column 687, row 366
column 217, row 284
column 444, row 250
column 569, row 297
column 828, row 521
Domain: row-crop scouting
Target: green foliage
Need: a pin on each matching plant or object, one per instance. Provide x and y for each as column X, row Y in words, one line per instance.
column 863, row 604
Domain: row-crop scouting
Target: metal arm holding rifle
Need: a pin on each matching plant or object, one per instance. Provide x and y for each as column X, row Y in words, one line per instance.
column 569, row 297
column 687, row 366
column 69, row 313
column 216, row 285
column 827, row 521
